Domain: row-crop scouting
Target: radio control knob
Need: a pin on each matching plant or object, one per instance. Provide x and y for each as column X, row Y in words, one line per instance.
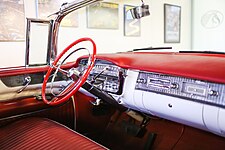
column 213, row 93
column 141, row 80
column 174, row 86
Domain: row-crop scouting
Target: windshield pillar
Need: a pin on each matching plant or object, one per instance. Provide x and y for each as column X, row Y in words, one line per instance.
column 65, row 9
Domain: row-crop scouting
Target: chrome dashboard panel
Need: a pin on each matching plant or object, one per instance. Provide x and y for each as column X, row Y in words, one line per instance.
column 195, row 90
column 105, row 75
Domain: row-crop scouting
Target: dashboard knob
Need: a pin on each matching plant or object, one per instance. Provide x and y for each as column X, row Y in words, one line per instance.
column 174, row 86
column 213, row 93
column 141, row 80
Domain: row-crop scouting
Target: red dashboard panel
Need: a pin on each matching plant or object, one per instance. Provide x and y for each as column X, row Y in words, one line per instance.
column 210, row 67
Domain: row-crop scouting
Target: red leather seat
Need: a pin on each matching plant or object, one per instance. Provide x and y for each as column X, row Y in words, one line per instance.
column 42, row 133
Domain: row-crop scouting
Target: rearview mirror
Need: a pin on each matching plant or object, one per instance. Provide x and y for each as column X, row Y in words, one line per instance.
column 138, row 12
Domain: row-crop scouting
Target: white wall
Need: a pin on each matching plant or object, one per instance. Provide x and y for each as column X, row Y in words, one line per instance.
column 210, row 34
column 152, row 29
column 108, row 41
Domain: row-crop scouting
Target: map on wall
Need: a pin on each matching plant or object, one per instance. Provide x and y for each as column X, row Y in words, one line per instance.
column 12, row 24
column 48, row 7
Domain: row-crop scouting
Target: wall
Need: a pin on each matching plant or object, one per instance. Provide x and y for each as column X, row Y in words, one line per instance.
column 108, row 41
column 208, row 25
column 152, row 29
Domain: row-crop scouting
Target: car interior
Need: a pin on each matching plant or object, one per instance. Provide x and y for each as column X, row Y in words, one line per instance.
column 79, row 98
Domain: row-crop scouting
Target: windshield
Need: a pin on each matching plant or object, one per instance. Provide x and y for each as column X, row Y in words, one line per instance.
column 183, row 25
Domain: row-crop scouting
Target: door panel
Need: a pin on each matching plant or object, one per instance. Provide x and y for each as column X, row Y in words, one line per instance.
column 13, row 86
column 16, row 103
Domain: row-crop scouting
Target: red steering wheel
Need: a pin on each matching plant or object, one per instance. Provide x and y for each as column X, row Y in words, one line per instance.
column 75, row 85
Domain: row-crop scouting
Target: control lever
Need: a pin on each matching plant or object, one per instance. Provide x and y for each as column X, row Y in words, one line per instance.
column 102, row 95
column 27, row 81
column 96, row 102
column 96, row 76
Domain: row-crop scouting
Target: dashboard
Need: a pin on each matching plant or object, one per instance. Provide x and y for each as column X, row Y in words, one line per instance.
column 160, row 84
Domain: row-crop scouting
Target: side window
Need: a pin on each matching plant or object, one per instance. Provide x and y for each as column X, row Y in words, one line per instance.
column 12, row 54
column 33, row 52
column 12, row 33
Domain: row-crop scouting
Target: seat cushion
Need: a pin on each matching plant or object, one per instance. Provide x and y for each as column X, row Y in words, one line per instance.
column 42, row 133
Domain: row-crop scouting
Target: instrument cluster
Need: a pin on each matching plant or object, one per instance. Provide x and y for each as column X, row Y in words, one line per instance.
column 105, row 75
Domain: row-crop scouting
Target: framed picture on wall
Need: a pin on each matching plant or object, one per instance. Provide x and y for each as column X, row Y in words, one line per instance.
column 12, row 24
column 103, row 15
column 172, row 23
column 132, row 27
column 48, row 7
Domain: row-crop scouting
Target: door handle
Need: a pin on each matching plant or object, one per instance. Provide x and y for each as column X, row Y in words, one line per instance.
column 27, row 81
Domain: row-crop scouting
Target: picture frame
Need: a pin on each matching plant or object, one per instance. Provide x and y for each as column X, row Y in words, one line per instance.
column 172, row 23
column 132, row 27
column 103, row 15
column 12, row 25
column 48, row 7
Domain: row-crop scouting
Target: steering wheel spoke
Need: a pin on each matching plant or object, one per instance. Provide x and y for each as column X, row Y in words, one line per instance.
column 58, row 69
column 78, row 78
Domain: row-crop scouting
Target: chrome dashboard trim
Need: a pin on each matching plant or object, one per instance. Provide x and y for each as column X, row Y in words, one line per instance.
column 192, row 89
